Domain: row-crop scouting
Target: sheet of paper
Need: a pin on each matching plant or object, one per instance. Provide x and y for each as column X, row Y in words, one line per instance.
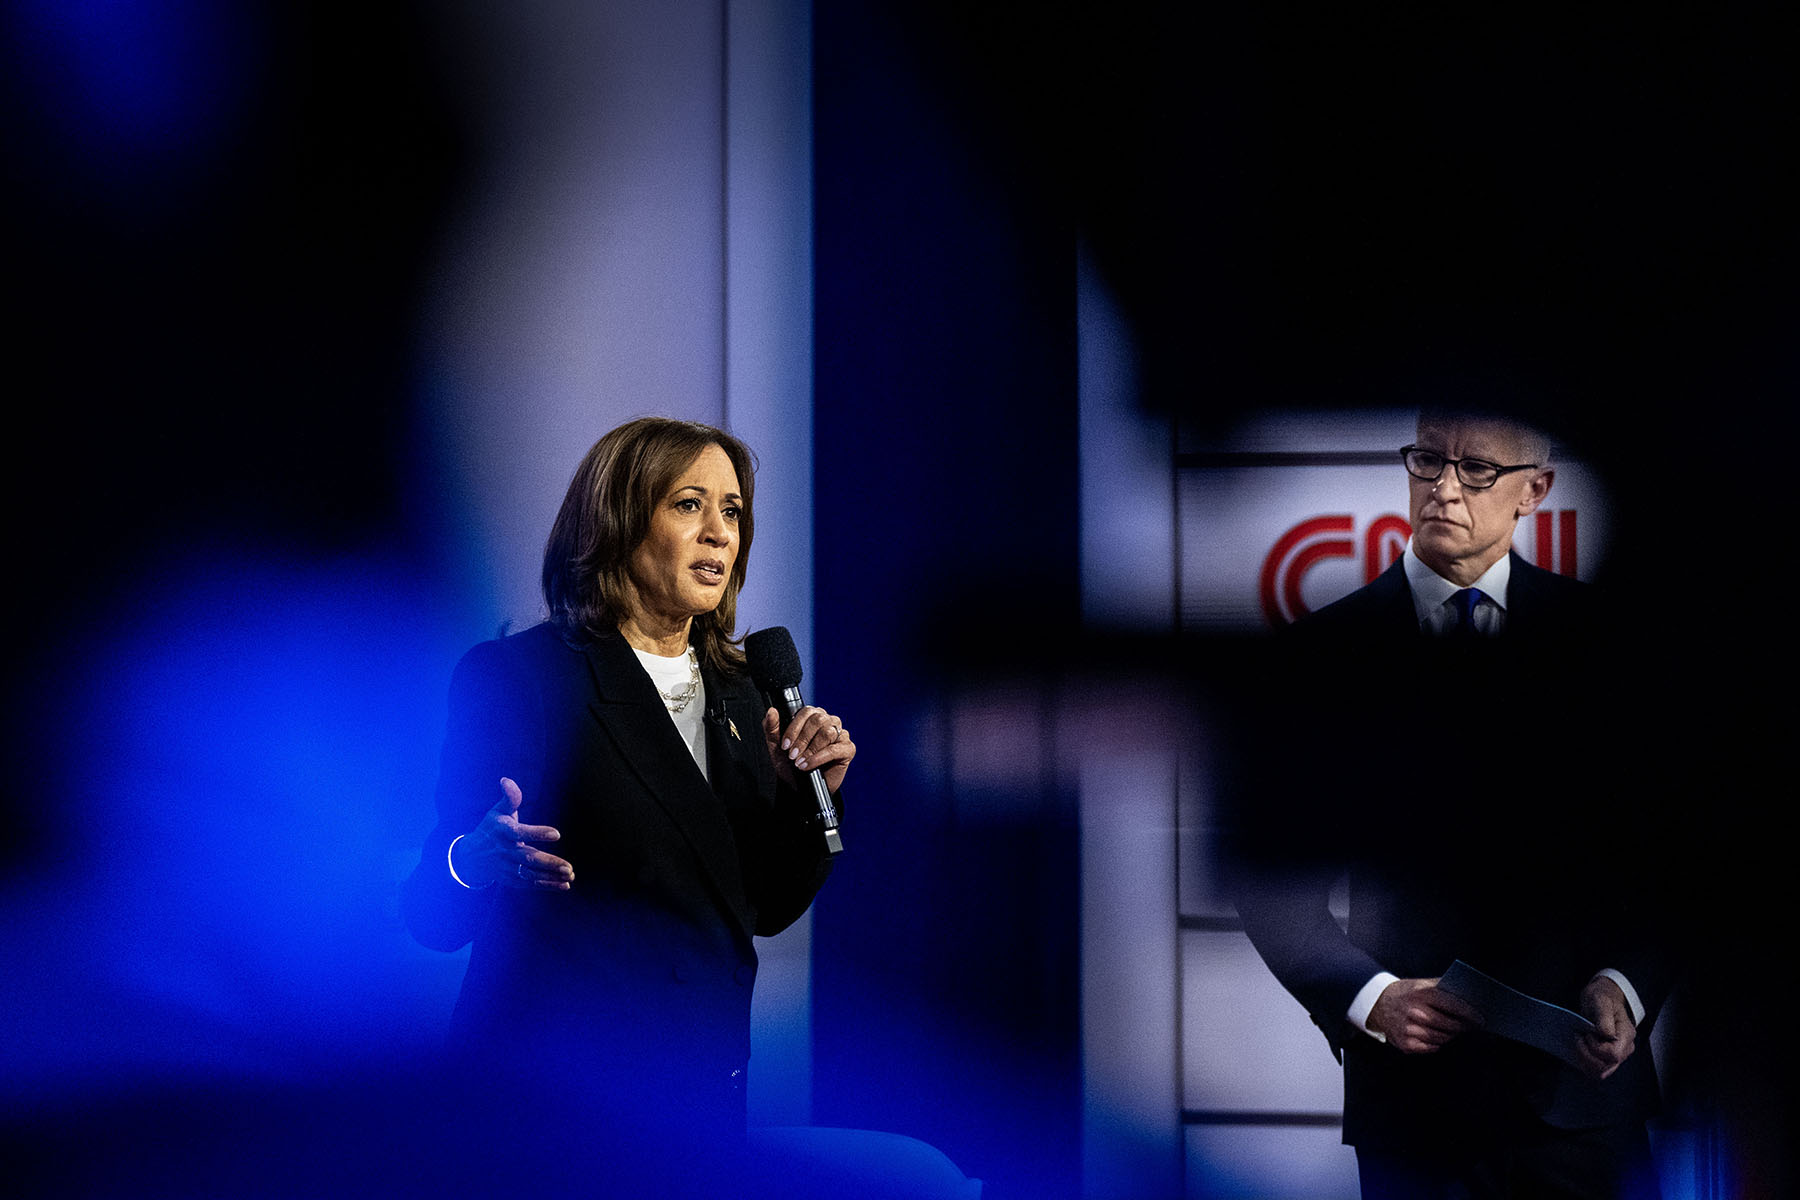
column 1513, row 1014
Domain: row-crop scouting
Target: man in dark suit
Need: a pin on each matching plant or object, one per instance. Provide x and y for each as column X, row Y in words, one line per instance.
column 1461, row 848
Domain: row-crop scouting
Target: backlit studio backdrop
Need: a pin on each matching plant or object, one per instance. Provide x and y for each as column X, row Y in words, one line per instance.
column 1072, row 344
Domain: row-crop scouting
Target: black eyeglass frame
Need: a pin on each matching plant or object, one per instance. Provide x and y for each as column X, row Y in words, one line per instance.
column 1406, row 453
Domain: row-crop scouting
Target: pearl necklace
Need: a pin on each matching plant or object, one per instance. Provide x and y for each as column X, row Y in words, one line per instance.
column 681, row 697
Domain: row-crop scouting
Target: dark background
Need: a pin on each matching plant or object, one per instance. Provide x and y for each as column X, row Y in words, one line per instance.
column 210, row 363
column 1586, row 219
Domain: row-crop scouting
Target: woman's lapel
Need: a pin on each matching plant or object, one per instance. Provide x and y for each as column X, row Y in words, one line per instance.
column 631, row 714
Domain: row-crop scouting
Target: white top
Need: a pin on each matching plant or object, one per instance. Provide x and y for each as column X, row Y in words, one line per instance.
column 672, row 675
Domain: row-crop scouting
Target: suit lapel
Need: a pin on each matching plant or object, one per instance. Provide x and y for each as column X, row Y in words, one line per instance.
column 632, row 715
column 734, row 743
column 1523, row 595
column 1393, row 598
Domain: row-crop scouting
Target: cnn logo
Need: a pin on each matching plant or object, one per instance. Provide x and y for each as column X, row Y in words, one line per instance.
column 1334, row 536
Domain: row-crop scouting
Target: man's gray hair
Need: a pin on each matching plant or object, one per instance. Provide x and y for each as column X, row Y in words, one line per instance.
column 1533, row 442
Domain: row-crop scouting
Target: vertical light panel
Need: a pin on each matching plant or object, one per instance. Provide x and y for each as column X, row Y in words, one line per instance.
column 768, row 401
column 1131, row 1105
column 768, row 296
column 1127, row 497
column 636, row 239
column 580, row 284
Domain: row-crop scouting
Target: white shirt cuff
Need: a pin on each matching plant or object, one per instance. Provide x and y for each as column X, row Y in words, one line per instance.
column 1631, row 997
column 1365, row 1001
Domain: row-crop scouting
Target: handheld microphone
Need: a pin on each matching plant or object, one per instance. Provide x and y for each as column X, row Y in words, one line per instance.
column 775, row 665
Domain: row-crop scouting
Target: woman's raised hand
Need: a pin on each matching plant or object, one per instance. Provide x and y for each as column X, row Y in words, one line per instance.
column 498, row 850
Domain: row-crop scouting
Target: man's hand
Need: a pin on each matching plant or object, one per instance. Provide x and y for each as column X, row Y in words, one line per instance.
column 1417, row 1018
column 495, row 851
column 1614, row 1035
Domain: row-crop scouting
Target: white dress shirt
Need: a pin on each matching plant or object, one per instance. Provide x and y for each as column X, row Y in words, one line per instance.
column 1431, row 594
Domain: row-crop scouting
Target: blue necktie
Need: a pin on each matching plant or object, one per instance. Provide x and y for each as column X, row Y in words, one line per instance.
column 1463, row 605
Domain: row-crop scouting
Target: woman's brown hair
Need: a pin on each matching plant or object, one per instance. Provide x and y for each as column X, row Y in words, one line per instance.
column 606, row 515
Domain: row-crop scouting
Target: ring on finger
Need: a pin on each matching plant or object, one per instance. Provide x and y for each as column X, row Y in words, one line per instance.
column 520, row 867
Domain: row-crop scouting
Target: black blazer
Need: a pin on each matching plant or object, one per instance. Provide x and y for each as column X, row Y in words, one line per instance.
column 640, row 976
column 1463, row 838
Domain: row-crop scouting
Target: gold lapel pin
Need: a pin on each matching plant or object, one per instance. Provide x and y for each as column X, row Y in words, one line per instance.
column 734, row 732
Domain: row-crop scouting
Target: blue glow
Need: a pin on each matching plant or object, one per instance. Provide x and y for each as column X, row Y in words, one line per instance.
column 149, row 77
column 248, row 761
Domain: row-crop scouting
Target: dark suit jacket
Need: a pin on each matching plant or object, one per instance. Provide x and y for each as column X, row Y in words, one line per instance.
column 1465, row 837
column 636, row 982
column 1539, row 604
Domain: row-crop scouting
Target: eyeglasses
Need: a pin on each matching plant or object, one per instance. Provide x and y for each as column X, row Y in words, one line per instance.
column 1476, row 473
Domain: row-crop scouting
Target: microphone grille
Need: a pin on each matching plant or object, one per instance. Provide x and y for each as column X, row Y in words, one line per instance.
column 774, row 662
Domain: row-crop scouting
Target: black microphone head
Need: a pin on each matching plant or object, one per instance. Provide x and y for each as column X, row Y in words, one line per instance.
column 774, row 663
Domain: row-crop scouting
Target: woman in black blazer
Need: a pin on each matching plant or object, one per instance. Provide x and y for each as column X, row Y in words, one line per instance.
column 619, row 812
